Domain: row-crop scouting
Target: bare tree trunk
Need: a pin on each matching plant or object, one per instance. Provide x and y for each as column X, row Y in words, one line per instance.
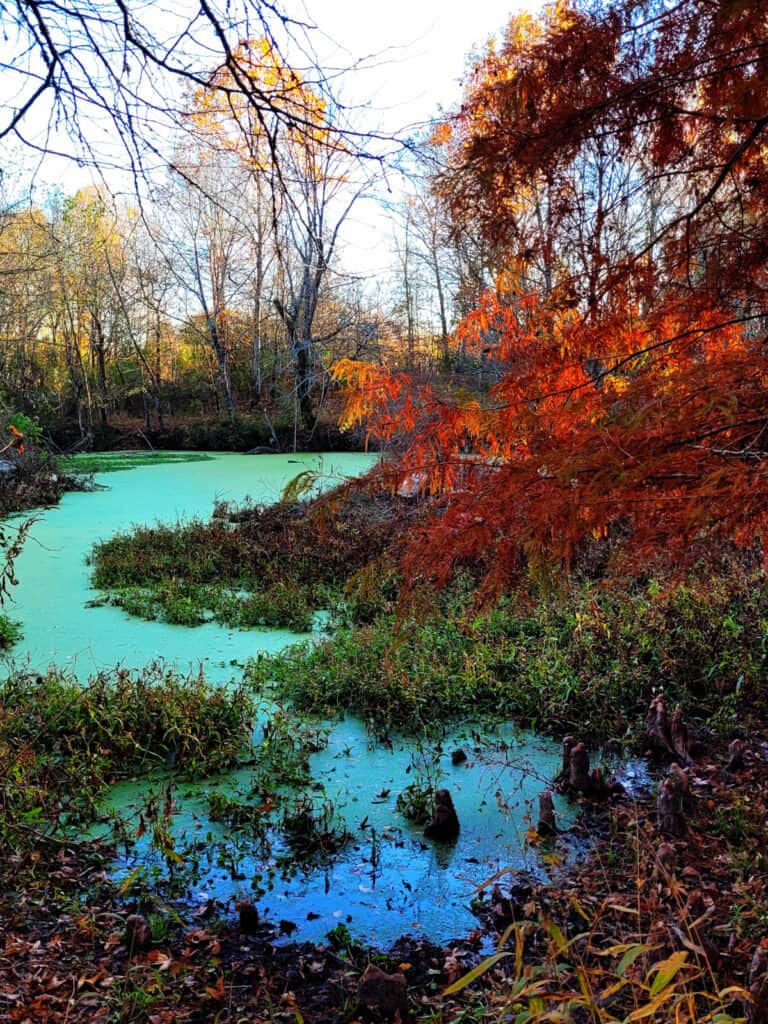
column 98, row 344
column 302, row 357
column 222, row 358
column 256, row 348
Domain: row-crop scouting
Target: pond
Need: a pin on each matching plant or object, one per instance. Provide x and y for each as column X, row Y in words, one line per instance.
column 54, row 589
column 385, row 879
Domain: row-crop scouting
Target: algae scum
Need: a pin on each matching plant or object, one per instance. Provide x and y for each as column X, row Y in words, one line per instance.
column 311, row 831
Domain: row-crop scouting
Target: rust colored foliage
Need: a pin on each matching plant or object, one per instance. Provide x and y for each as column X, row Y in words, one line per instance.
column 614, row 161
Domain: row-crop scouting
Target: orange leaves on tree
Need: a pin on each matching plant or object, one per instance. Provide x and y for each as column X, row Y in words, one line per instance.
column 656, row 443
column 613, row 159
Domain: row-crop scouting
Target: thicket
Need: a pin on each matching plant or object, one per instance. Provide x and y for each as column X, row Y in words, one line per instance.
column 586, row 658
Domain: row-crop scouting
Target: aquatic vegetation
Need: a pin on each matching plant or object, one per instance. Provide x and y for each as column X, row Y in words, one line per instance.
column 63, row 744
column 587, row 658
column 116, row 462
column 183, row 604
column 253, row 565
column 10, row 632
column 313, row 830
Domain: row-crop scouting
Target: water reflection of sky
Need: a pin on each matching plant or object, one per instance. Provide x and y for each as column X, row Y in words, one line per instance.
column 388, row 880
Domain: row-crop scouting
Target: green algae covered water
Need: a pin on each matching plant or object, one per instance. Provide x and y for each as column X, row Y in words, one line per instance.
column 52, row 597
column 385, row 880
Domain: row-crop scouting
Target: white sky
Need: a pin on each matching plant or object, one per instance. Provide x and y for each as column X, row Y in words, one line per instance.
column 413, row 55
column 418, row 51
column 418, row 47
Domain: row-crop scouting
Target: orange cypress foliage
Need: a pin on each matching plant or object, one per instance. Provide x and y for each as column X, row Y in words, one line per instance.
column 617, row 157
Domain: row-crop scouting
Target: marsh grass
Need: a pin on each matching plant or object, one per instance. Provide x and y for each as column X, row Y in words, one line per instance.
column 252, row 565
column 278, row 606
column 587, row 659
column 10, row 632
column 63, row 744
column 116, row 462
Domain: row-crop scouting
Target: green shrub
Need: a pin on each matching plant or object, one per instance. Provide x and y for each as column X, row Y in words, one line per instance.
column 587, row 659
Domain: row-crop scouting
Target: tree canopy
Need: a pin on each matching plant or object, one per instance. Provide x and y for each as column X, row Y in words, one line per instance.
column 613, row 159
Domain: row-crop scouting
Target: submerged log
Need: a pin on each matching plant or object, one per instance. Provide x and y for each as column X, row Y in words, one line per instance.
column 445, row 822
column 547, row 824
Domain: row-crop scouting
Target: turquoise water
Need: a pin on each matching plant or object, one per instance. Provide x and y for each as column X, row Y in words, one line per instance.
column 54, row 589
column 387, row 880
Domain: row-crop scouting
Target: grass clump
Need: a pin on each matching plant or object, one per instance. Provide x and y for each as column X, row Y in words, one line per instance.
column 251, row 566
column 63, row 744
column 587, row 659
column 180, row 603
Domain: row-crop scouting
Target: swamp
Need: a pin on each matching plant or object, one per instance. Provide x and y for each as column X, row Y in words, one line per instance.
column 383, row 512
